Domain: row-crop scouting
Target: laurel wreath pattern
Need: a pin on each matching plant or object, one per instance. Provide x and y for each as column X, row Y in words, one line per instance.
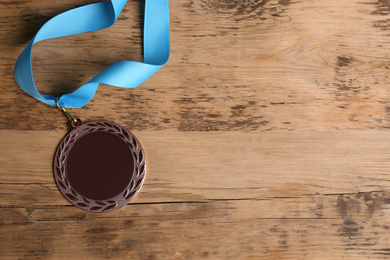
column 100, row 205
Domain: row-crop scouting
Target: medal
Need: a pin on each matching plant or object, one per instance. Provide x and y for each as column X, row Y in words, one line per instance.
column 100, row 166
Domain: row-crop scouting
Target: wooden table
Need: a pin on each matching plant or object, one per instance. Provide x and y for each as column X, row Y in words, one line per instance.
column 267, row 133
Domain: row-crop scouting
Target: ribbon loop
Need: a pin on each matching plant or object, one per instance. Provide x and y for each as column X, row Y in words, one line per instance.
column 98, row 16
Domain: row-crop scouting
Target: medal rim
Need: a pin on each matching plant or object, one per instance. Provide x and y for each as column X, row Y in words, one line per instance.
column 93, row 205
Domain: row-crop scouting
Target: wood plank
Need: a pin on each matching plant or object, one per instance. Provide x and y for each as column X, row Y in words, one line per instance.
column 298, row 65
column 326, row 162
column 248, row 229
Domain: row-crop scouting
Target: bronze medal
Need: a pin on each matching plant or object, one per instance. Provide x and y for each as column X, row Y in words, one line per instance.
column 99, row 166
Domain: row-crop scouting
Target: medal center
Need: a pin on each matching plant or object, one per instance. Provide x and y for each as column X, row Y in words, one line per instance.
column 100, row 166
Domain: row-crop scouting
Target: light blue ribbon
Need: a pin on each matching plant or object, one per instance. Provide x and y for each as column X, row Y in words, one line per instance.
column 125, row 74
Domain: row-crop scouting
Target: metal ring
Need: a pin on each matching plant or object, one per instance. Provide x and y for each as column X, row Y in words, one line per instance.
column 71, row 118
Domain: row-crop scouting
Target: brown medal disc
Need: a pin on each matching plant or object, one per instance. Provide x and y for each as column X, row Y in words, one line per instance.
column 99, row 166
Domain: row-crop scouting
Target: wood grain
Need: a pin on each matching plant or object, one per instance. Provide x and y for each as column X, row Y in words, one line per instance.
column 267, row 133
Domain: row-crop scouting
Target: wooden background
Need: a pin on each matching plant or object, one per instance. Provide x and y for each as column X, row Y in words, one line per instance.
column 267, row 133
